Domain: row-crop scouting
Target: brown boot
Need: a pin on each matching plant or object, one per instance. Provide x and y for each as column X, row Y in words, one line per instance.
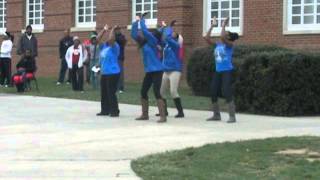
column 145, row 110
column 162, row 111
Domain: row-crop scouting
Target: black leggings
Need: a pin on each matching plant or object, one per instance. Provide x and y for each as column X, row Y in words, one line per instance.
column 109, row 101
column 222, row 80
column 5, row 71
column 152, row 78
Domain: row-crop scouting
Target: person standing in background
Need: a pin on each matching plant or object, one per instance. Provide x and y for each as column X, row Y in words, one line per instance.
column 122, row 41
column 28, row 41
column 75, row 57
column 64, row 44
column 93, row 59
column 5, row 59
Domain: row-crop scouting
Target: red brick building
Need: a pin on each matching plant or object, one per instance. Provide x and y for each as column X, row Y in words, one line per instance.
column 289, row 23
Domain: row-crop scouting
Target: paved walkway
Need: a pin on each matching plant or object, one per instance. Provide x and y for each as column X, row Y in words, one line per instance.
column 46, row 138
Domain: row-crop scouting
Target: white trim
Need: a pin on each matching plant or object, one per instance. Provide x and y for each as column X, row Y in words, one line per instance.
column 82, row 29
column 216, row 31
column 36, row 28
column 289, row 28
column 4, row 8
column 81, row 25
column 150, row 26
column 149, row 22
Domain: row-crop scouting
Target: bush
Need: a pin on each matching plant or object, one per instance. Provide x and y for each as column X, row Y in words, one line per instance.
column 272, row 82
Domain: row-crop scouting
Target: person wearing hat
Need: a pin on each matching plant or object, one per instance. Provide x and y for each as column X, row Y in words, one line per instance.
column 75, row 57
column 5, row 59
column 28, row 41
column 93, row 58
column 64, row 44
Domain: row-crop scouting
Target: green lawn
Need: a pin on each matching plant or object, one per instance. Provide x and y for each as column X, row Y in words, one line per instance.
column 48, row 88
column 246, row 160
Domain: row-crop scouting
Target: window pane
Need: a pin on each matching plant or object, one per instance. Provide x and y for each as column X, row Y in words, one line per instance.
column 138, row 1
column 138, row 8
column 81, row 11
column 214, row 14
column 37, row 14
column 88, row 18
column 225, row 4
column 308, row 9
column 296, row 20
column 318, row 19
column 308, row 1
column 88, row 11
column 318, row 9
column 224, row 14
column 37, row 21
column 296, row 10
column 81, row 4
column 30, row 14
column 214, row 5
column 37, row 7
column 308, row 20
column 155, row 6
column 147, row 7
column 80, row 18
column 154, row 15
column 296, row 1
column 30, row 8
column 235, row 4
column 30, row 21
column 88, row 3
column 235, row 23
column 235, row 13
column 148, row 16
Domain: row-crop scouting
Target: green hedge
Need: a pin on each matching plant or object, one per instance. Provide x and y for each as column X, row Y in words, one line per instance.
column 268, row 80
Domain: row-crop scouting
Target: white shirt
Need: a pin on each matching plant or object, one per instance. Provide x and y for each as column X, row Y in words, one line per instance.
column 29, row 37
column 6, row 48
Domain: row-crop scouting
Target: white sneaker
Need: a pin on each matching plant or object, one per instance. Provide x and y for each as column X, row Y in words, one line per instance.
column 6, row 86
column 58, row 83
column 120, row 92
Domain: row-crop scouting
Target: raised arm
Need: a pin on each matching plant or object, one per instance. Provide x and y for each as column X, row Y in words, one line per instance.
column 207, row 38
column 112, row 38
column 134, row 30
column 101, row 33
column 224, row 38
column 169, row 40
column 148, row 35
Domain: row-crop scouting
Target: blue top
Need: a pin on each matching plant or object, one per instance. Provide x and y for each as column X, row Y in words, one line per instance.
column 149, row 51
column 171, row 60
column 223, row 55
column 109, row 59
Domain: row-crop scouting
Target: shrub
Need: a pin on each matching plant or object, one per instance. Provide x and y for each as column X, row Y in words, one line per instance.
column 272, row 82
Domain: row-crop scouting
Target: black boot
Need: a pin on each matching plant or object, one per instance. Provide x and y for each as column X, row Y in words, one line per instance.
column 165, row 107
column 177, row 102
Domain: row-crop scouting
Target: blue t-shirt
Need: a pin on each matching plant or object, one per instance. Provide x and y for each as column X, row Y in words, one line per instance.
column 223, row 56
column 109, row 59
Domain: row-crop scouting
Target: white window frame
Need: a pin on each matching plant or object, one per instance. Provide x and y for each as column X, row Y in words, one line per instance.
column 217, row 31
column 3, row 21
column 149, row 22
column 84, row 24
column 36, row 27
column 289, row 28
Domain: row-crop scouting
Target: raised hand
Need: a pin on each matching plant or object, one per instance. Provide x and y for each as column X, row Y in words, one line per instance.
column 214, row 22
column 138, row 18
column 173, row 23
column 106, row 27
column 225, row 22
column 163, row 24
column 144, row 14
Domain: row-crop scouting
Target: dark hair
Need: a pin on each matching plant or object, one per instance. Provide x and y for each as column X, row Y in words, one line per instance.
column 141, row 41
column 29, row 27
column 233, row 36
column 157, row 34
column 8, row 34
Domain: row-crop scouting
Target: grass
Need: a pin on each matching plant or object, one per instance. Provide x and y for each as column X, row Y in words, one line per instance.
column 227, row 161
column 48, row 88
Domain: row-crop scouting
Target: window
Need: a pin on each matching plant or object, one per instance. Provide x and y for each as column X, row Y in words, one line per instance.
column 35, row 13
column 222, row 9
column 141, row 6
column 3, row 15
column 303, row 15
column 85, row 13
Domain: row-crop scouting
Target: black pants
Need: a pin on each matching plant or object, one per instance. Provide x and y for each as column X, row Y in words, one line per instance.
column 63, row 70
column 5, row 71
column 109, row 101
column 222, row 80
column 77, row 78
column 152, row 78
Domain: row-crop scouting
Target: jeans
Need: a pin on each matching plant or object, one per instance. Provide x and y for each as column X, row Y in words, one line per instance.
column 121, row 80
column 222, row 80
column 63, row 70
column 77, row 78
column 172, row 80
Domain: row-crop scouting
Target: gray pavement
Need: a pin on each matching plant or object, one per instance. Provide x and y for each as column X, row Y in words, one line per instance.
column 47, row 138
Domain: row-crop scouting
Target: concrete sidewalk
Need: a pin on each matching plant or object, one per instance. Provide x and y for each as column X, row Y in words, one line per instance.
column 47, row 138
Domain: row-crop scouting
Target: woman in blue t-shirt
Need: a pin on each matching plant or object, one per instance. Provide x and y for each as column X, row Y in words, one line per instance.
column 110, row 73
column 223, row 71
column 149, row 44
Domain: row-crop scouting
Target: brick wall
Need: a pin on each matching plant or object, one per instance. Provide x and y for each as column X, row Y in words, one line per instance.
column 262, row 24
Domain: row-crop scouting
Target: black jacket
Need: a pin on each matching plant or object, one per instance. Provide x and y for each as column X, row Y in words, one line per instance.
column 64, row 44
column 28, row 64
column 24, row 44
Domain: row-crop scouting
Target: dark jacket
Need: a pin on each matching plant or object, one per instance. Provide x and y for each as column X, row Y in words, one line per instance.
column 64, row 44
column 121, row 40
column 24, row 44
column 28, row 64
